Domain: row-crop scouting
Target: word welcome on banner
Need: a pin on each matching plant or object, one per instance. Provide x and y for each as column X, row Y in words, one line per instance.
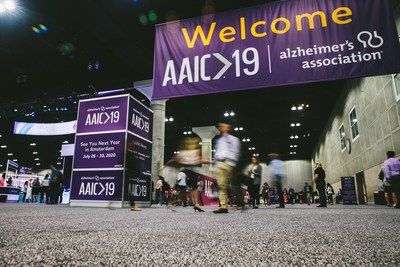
column 275, row 44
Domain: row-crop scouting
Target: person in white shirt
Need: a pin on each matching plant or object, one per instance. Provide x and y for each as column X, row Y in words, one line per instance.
column 181, row 181
column 227, row 154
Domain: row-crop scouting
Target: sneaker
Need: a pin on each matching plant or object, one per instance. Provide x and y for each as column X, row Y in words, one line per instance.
column 255, row 207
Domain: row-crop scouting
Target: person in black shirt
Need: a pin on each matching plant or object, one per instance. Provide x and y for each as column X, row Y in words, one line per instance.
column 319, row 178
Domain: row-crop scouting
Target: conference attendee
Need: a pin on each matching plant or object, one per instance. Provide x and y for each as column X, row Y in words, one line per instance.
column 35, row 190
column 391, row 169
column 2, row 179
column 182, row 186
column 319, row 179
column 308, row 193
column 159, row 190
column 29, row 191
column 330, row 192
column 226, row 157
column 254, row 172
column 265, row 193
column 191, row 181
column 45, row 189
column 277, row 175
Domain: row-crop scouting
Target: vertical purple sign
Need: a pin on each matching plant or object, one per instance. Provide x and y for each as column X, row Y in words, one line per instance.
column 138, row 154
column 137, row 185
column 140, row 120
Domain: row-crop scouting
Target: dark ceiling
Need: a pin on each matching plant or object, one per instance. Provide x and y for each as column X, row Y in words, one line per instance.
column 96, row 45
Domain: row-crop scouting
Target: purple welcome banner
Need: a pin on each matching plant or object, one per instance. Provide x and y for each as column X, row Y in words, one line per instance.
column 275, row 44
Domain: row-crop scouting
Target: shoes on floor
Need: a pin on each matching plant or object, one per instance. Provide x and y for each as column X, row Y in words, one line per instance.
column 240, row 208
column 135, row 208
column 321, row 206
column 280, row 207
column 389, row 205
column 198, row 209
column 221, row 210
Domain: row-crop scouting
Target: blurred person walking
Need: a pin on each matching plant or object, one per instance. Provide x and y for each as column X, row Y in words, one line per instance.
column 193, row 193
column 391, row 169
column 319, row 178
column 277, row 174
column 226, row 157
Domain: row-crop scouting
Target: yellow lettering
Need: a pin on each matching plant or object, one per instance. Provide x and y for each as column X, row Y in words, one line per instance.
column 242, row 28
column 344, row 12
column 253, row 29
column 275, row 21
column 227, row 31
column 199, row 31
column 310, row 18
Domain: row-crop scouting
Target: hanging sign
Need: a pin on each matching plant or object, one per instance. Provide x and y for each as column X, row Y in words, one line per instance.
column 281, row 43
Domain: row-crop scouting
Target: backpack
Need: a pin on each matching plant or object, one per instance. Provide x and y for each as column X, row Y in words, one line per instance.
column 381, row 175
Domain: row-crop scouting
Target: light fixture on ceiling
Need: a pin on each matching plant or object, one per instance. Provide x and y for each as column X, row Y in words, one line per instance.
column 7, row 6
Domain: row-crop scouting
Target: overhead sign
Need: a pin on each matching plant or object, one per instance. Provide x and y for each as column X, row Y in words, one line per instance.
column 275, row 44
column 59, row 128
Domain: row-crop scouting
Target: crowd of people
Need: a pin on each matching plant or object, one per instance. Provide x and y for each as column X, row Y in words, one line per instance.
column 230, row 178
column 48, row 190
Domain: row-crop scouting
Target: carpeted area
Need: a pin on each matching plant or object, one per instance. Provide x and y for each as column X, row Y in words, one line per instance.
column 299, row 235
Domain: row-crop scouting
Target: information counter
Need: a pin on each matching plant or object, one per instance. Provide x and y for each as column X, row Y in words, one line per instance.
column 9, row 194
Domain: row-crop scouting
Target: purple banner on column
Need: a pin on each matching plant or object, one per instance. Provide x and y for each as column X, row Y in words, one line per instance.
column 103, row 114
column 99, row 151
column 137, row 185
column 281, row 43
column 97, row 185
column 138, row 154
column 140, row 119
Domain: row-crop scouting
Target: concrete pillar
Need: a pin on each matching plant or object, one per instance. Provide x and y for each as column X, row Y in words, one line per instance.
column 206, row 134
column 158, row 145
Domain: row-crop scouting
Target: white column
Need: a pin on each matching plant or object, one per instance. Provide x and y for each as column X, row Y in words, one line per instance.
column 158, row 107
column 206, row 134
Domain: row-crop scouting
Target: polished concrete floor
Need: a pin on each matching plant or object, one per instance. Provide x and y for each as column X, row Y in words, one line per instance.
column 299, row 235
